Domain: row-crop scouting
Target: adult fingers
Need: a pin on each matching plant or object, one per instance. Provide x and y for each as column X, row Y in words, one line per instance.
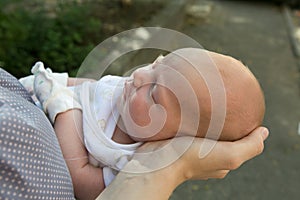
column 248, row 147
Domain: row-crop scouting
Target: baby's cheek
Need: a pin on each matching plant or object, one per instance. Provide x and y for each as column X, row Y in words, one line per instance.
column 139, row 111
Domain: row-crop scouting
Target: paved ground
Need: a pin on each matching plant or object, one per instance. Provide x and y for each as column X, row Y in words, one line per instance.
column 256, row 33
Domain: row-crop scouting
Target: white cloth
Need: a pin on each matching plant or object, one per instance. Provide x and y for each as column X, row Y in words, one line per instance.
column 100, row 115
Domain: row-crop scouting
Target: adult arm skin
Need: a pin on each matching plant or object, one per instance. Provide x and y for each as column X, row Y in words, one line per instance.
column 160, row 184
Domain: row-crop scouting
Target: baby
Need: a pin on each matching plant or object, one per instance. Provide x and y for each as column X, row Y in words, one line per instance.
column 165, row 99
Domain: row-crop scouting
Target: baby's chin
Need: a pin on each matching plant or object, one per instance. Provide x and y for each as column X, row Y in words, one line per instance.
column 141, row 139
column 147, row 139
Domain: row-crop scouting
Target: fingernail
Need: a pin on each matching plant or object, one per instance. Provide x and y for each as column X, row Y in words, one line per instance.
column 265, row 132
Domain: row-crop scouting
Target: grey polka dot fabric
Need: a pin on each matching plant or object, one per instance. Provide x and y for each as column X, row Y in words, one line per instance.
column 11, row 83
column 31, row 162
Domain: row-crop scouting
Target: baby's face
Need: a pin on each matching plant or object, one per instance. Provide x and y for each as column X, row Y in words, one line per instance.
column 149, row 109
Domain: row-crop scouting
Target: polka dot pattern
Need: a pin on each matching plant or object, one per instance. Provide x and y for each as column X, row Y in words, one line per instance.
column 11, row 83
column 31, row 162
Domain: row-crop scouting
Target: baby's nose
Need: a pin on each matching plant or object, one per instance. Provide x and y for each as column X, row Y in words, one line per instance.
column 142, row 76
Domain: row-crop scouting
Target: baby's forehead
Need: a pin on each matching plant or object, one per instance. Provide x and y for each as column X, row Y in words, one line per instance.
column 183, row 60
column 201, row 68
column 179, row 64
column 181, row 81
column 198, row 60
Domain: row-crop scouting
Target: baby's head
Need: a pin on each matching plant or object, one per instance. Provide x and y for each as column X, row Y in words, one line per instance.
column 171, row 86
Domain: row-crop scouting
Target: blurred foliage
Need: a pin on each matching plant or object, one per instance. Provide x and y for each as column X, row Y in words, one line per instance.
column 291, row 3
column 62, row 41
column 62, row 35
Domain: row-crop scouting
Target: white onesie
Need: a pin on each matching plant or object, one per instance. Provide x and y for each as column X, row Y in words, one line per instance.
column 100, row 115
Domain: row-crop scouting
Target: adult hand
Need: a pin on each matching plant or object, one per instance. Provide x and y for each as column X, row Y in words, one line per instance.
column 225, row 156
column 185, row 152
column 159, row 183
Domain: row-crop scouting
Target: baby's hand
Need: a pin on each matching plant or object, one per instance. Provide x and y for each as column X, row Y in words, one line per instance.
column 27, row 83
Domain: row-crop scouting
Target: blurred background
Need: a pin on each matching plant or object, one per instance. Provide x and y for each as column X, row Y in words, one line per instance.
column 62, row 33
column 265, row 35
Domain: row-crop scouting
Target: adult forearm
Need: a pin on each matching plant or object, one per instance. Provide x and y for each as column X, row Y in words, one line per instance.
column 157, row 185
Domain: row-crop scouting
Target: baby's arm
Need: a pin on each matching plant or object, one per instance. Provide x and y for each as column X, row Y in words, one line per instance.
column 87, row 180
column 78, row 81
